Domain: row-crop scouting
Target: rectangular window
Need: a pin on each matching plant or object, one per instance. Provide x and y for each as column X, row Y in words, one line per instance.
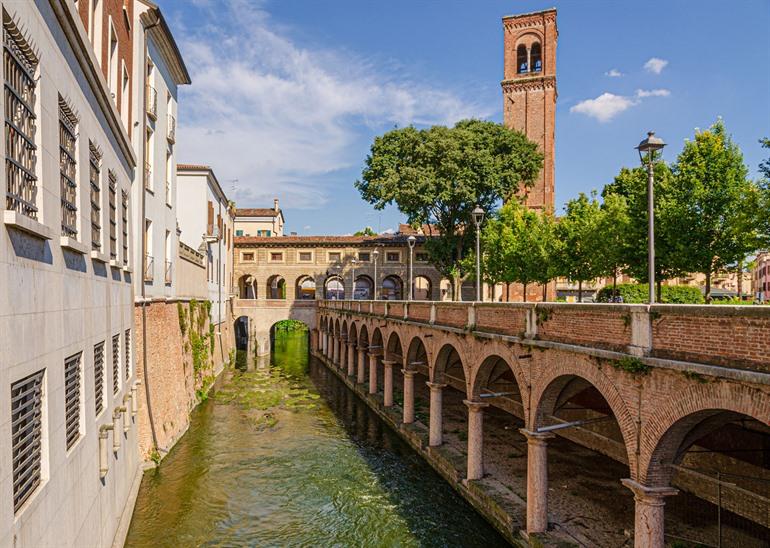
column 26, row 436
column 169, row 172
column 72, row 398
column 116, row 363
column 99, row 377
column 169, row 263
column 68, row 131
column 247, row 257
column 393, row 256
column 364, row 256
column 20, row 65
column 128, row 354
column 276, row 256
column 113, row 198
column 124, row 214
column 239, row 232
column 335, row 256
column 95, row 161
column 124, row 94
column 305, row 256
column 421, row 257
column 148, row 159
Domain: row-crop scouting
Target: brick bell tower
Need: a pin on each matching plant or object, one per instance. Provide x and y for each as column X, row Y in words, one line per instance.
column 529, row 91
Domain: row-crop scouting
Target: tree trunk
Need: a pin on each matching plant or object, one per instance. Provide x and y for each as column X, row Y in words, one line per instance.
column 580, row 291
column 525, row 292
column 708, row 287
column 614, row 285
column 545, row 291
column 507, row 291
column 659, row 285
column 458, row 288
column 740, row 280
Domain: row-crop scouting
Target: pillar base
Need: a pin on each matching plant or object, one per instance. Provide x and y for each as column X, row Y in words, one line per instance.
column 649, row 514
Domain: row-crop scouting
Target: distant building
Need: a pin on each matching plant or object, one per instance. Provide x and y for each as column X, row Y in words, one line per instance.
column 259, row 222
column 761, row 277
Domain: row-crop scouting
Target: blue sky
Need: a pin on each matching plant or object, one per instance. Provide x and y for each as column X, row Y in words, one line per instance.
column 288, row 95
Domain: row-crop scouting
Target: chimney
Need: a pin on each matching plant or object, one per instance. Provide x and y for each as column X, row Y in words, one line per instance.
column 275, row 204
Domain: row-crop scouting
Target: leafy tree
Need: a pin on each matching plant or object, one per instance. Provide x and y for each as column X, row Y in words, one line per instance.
column 578, row 232
column 367, row 231
column 612, row 237
column 764, row 189
column 438, row 175
column 715, row 205
column 631, row 184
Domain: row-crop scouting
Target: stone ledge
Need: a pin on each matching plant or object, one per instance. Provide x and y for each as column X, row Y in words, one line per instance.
column 25, row 224
column 99, row 256
column 73, row 245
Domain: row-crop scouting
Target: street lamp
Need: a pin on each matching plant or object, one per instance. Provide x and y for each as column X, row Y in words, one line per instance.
column 375, row 254
column 650, row 145
column 354, row 262
column 411, row 240
column 478, row 218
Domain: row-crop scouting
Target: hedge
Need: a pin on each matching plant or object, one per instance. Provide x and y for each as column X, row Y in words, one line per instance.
column 637, row 293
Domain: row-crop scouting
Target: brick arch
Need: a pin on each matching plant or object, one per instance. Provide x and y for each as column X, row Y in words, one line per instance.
column 480, row 373
column 438, row 369
column 555, row 376
column 394, row 343
column 664, row 434
column 415, row 342
column 363, row 335
column 353, row 333
column 529, row 37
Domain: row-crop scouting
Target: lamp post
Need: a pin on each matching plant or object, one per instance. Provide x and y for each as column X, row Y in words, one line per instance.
column 650, row 145
column 411, row 240
column 354, row 262
column 478, row 218
column 375, row 254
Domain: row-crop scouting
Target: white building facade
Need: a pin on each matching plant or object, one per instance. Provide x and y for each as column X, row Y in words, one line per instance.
column 68, row 449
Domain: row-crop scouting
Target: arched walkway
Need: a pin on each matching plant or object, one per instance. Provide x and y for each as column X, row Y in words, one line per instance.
column 363, row 289
column 247, row 287
column 334, row 288
column 276, row 287
column 305, row 288
column 423, row 290
column 392, row 288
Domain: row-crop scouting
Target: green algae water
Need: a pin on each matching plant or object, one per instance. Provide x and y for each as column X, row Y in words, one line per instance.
column 288, row 456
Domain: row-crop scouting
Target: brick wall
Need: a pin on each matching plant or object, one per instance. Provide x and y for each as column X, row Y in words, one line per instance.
column 506, row 320
column 453, row 315
column 419, row 312
column 396, row 310
column 592, row 325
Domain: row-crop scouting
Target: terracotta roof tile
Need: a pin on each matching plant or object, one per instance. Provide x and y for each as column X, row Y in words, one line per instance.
column 257, row 212
column 383, row 239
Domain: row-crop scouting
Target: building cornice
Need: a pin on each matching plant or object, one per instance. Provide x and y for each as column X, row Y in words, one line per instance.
column 529, row 83
column 81, row 47
column 161, row 34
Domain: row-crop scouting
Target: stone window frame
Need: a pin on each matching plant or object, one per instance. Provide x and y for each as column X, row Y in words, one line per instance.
column 282, row 258
column 387, row 258
column 368, row 257
column 417, row 258
column 305, row 261
column 245, row 260
column 329, row 258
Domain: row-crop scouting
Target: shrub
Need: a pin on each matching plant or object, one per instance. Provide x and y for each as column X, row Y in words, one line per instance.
column 637, row 293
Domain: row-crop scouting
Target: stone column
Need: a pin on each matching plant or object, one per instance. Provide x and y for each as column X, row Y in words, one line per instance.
column 343, row 352
column 388, row 382
column 436, row 437
column 372, row 373
column 408, row 396
column 323, row 343
column 351, row 353
column 361, row 373
column 537, row 480
column 649, row 513
column 475, row 439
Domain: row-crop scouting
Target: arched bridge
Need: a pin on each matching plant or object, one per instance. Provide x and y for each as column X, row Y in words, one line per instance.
column 261, row 314
column 649, row 386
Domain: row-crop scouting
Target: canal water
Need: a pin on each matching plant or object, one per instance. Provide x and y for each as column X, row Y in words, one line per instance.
column 288, row 456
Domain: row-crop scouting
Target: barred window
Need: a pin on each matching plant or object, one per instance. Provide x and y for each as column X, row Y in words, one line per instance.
column 116, row 363
column 99, row 377
column 72, row 398
column 26, row 436
column 95, row 166
column 127, row 356
column 113, row 198
column 20, row 64
column 68, row 123
column 124, row 213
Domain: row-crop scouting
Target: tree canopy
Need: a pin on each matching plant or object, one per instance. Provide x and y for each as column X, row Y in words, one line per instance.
column 438, row 175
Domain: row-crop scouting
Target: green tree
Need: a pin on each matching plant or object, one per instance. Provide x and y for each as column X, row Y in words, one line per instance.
column 764, row 189
column 612, row 237
column 437, row 175
column 367, row 231
column 578, row 231
column 715, row 205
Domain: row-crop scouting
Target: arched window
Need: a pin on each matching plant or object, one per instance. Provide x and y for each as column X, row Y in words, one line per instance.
column 306, row 288
column 391, row 289
column 536, row 57
column 335, row 289
column 247, row 288
column 422, row 289
column 276, row 287
column 521, row 59
column 363, row 290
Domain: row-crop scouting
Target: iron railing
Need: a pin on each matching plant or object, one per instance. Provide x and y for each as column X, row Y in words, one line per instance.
column 147, row 175
column 171, row 132
column 152, row 102
column 169, row 271
column 96, row 207
column 149, row 267
column 67, row 170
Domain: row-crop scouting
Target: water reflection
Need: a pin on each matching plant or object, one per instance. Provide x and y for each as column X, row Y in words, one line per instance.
column 330, row 475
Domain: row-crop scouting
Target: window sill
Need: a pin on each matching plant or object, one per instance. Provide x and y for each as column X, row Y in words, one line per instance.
column 117, row 263
column 128, row 269
column 73, row 245
column 99, row 256
column 25, row 224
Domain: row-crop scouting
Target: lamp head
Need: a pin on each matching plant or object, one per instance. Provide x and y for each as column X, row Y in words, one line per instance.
column 651, row 143
column 411, row 240
column 478, row 215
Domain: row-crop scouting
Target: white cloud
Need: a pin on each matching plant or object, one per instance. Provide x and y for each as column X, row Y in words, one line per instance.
column 655, row 65
column 605, row 107
column 284, row 119
column 652, row 93
column 608, row 105
column 613, row 73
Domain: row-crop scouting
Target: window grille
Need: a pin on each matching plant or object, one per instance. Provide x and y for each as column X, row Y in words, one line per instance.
column 99, row 377
column 124, row 212
column 26, row 436
column 20, row 64
column 72, row 398
column 128, row 354
column 67, row 169
column 116, row 363
column 95, row 161
column 113, row 197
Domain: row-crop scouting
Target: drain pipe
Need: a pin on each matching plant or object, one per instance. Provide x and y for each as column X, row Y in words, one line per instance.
column 144, row 246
